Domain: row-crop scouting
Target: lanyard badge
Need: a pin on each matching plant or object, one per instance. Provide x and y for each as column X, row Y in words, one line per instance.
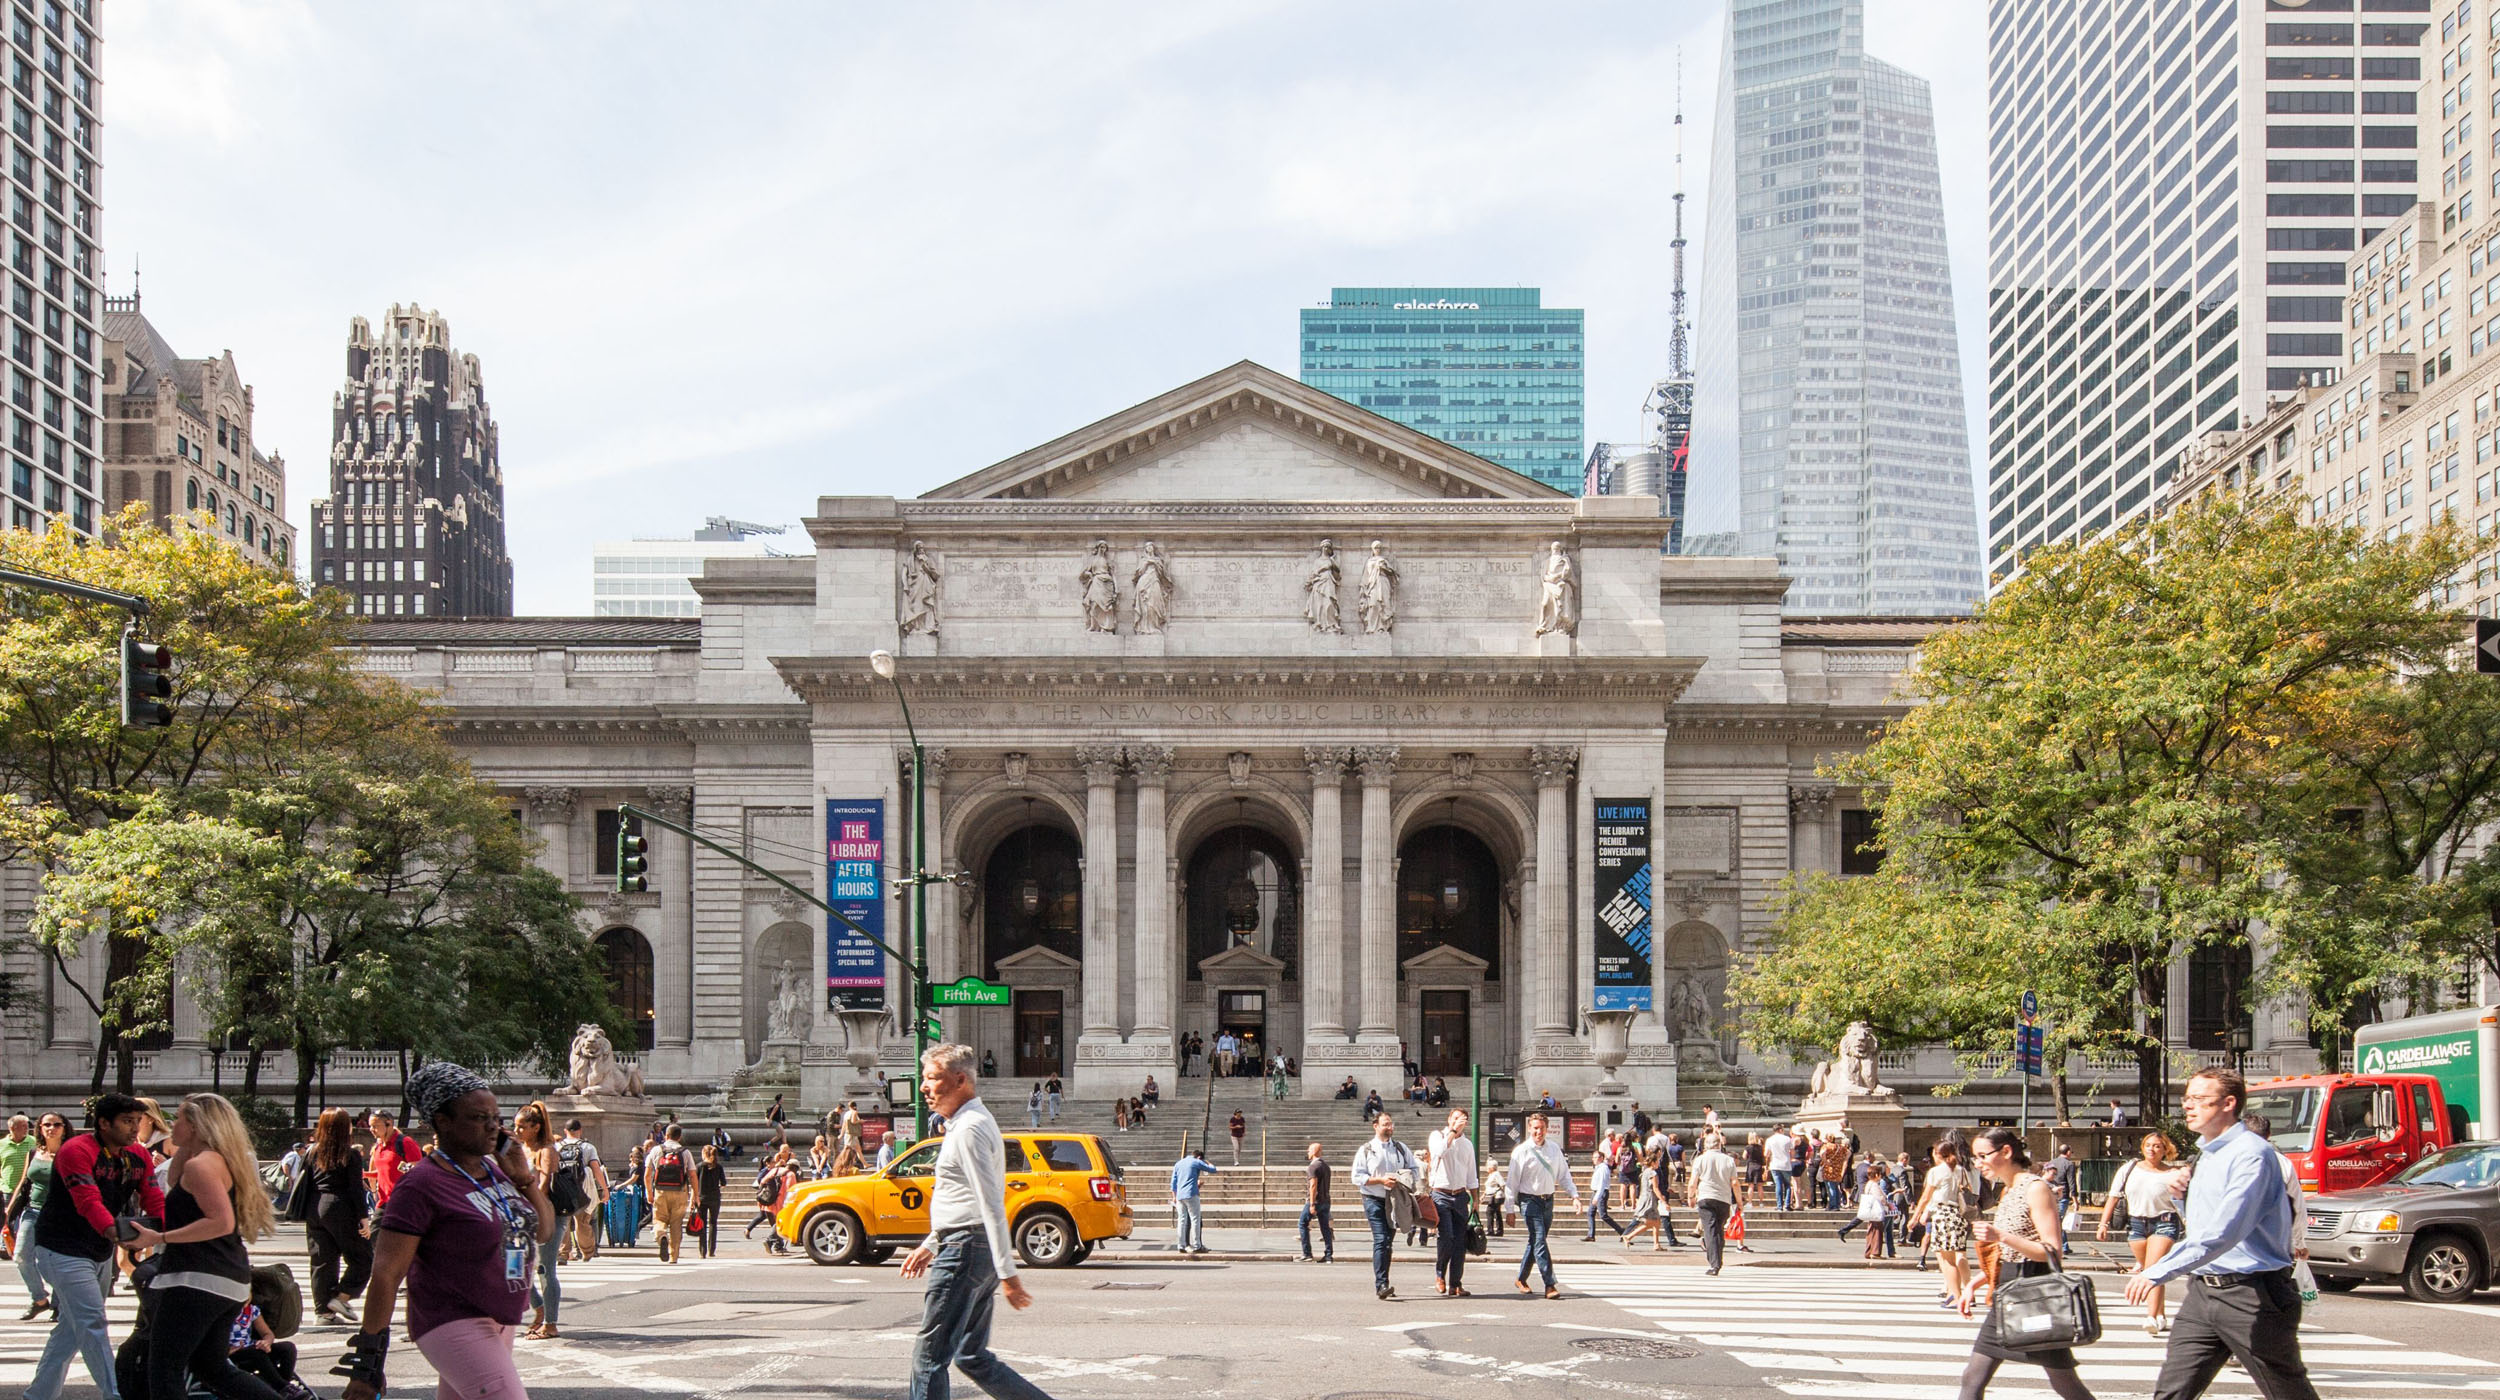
column 519, row 1232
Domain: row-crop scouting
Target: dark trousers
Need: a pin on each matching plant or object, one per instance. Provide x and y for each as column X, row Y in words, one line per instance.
column 1537, row 1214
column 1597, row 1212
column 1713, row 1232
column 1384, row 1237
column 275, row 1367
column 2256, row 1323
column 187, row 1332
column 1327, row 1230
column 707, row 1242
column 955, row 1325
column 1450, row 1236
column 334, row 1239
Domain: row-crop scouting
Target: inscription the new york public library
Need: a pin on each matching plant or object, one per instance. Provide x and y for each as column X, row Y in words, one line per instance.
column 1219, row 713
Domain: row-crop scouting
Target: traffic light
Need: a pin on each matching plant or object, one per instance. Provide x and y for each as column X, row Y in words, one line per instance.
column 632, row 865
column 147, row 681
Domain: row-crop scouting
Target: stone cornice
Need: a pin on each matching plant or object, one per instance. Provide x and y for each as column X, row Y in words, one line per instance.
column 1662, row 678
column 1017, row 523
column 560, row 724
column 1799, row 723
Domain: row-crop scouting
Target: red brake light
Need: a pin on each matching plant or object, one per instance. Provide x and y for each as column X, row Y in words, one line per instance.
column 1102, row 1187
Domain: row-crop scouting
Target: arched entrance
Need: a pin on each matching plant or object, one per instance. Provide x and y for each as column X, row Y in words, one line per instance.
column 1244, row 903
column 1032, row 921
column 1449, row 939
column 629, row 960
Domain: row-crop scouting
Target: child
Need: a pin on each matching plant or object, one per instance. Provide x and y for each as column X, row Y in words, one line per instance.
column 258, row 1351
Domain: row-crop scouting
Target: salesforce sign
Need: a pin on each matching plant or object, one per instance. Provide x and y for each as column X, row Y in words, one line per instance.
column 1437, row 304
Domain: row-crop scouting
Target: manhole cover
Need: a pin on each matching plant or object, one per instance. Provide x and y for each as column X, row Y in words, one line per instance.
column 1644, row 1348
column 1138, row 1286
column 1376, row 1395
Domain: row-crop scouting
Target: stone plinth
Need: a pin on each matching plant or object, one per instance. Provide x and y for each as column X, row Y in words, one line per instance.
column 613, row 1123
column 1876, row 1118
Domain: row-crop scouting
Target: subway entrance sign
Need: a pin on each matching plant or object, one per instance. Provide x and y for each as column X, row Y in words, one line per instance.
column 969, row 991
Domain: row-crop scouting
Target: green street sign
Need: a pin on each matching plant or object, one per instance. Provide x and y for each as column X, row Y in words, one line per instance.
column 969, row 991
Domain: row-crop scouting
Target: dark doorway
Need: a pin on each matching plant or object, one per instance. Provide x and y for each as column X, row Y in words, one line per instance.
column 1040, row 1034
column 1243, row 892
column 1032, row 895
column 1449, row 894
column 628, row 956
column 1446, row 1050
column 1242, row 1013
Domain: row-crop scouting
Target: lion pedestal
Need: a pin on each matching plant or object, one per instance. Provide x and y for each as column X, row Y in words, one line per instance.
column 606, row 1095
column 1846, row 1096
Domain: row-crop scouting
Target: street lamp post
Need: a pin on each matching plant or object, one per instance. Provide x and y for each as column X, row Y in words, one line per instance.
column 882, row 662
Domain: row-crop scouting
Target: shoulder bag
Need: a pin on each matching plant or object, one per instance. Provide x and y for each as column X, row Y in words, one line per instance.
column 2115, row 1215
column 2048, row 1311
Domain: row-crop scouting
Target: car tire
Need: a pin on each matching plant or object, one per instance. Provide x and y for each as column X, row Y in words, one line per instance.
column 1084, row 1251
column 879, row 1254
column 1045, row 1239
column 2444, row 1269
column 2331, row 1283
column 833, row 1236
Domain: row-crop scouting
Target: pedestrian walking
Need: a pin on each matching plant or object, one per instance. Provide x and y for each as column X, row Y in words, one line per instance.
column 1190, row 1226
column 2144, row 1201
column 16, row 1150
column 335, row 1234
column 1315, row 1207
column 537, row 1137
column 1238, row 1127
column 203, row 1275
column 967, row 1256
column 771, row 1184
column 1537, row 1170
column 1381, row 1165
column 1033, row 1107
column 2030, row 1241
column 1496, row 1197
column 25, row 1210
column 395, row 1154
column 1777, row 1157
column 1714, row 1198
column 1452, row 1178
column 1649, row 1211
column 105, row 1175
column 668, row 1174
column 1943, row 1209
column 1601, row 1181
column 711, row 1181
column 1753, row 1165
column 2242, row 1230
column 1051, row 1092
column 457, row 1236
column 579, row 1172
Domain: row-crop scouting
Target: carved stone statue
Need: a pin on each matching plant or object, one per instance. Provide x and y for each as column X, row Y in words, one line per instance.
column 1319, row 590
column 1688, row 1012
column 920, row 592
column 1559, row 609
column 1380, row 590
column 1854, row 1072
column 595, row 1066
column 785, row 1018
column 1102, row 590
column 1151, row 587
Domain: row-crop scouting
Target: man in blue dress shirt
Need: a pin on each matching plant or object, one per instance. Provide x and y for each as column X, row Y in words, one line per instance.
column 2242, row 1303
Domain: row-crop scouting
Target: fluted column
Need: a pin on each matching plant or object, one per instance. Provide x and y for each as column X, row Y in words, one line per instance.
column 1379, row 964
column 551, row 811
column 1152, row 763
column 1554, row 764
column 1102, row 890
column 1323, row 939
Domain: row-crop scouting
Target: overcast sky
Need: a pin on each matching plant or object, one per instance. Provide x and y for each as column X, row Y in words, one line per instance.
column 725, row 259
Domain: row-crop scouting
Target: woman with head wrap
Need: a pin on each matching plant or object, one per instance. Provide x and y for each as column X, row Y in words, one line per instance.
column 462, row 1230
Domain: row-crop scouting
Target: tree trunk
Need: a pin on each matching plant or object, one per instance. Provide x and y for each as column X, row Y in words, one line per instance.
column 251, row 1073
column 303, row 1078
column 103, row 1056
column 2058, row 1093
column 125, row 1066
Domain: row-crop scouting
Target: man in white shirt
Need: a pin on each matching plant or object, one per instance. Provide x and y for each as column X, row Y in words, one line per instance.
column 967, row 1256
column 1714, row 1196
column 1380, row 1164
column 1537, row 1170
column 1778, row 1157
column 1453, row 1180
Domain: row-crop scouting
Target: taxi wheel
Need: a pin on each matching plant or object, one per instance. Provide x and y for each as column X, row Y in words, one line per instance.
column 2444, row 1269
column 2332, row 1283
column 1083, row 1252
column 879, row 1254
column 1045, row 1239
column 832, row 1237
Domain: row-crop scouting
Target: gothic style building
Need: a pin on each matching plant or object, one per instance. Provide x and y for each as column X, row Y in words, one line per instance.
column 178, row 440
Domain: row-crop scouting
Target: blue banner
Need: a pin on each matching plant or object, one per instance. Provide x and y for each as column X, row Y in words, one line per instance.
column 1623, row 927
column 855, row 884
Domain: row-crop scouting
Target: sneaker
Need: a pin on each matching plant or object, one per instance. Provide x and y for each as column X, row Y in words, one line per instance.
column 1386, row 1294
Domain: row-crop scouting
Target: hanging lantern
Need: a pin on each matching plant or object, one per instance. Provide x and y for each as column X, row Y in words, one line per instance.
column 1029, row 896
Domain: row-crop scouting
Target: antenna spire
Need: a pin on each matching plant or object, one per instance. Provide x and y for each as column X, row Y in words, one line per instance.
column 1679, row 348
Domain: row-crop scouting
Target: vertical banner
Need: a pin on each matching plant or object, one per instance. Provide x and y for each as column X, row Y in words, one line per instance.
column 1623, row 937
column 854, row 884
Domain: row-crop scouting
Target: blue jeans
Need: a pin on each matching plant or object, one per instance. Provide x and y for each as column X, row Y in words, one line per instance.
column 1537, row 1213
column 77, row 1286
column 26, row 1257
column 1780, row 1180
column 955, row 1325
column 1597, row 1212
column 1327, row 1231
column 1193, row 1223
column 1384, row 1235
column 545, row 1294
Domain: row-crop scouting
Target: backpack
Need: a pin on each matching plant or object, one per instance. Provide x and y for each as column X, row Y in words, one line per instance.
column 668, row 1169
column 564, row 1189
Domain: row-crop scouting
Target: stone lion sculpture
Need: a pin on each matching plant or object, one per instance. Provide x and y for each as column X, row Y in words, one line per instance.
column 595, row 1066
column 1854, row 1071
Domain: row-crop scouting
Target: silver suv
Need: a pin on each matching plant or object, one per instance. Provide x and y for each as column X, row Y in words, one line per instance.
column 2433, row 1227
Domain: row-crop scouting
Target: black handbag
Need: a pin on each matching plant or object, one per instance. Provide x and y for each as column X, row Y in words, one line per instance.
column 2114, row 1215
column 2048, row 1311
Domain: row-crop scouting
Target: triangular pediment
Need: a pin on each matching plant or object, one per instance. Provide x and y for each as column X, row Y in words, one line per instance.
column 1442, row 960
column 1037, row 959
column 1245, row 432
column 1240, row 960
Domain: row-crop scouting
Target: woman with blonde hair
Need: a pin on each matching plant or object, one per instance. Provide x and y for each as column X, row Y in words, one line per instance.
column 537, row 1136
column 204, row 1276
column 2149, row 1185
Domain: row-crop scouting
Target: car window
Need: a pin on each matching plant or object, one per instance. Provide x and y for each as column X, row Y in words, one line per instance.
column 1065, row 1154
column 2291, row 1113
column 2424, row 1120
column 920, row 1161
column 1016, row 1163
column 2467, row 1166
column 2348, row 1116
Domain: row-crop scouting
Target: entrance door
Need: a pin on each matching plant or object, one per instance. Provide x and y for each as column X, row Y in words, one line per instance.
column 1245, row 1015
column 1446, row 1051
column 1039, row 1034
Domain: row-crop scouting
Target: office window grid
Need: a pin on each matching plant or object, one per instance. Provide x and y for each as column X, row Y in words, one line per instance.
column 52, row 217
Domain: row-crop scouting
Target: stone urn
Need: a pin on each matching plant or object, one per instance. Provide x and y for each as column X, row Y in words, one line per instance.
column 865, row 1032
column 1610, row 1043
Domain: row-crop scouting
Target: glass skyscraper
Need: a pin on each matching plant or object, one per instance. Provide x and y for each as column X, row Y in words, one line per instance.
column 2174, row 187
column 1489, row 369
column 1830, row 401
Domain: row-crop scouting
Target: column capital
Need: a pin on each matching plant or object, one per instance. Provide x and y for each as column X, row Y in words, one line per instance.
column 549, row 804
column 1101, row 763
column 1152, row 763
column 1377, row 762
column 674, row 802
column 1326, row 762
column 934, row 759
column 1808, row 801
column 1553, row 763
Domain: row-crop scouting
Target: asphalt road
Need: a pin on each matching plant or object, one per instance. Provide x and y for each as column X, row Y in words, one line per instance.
column 1137, row 1325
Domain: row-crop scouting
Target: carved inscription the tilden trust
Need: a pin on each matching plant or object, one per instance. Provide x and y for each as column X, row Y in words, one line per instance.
column 1244, row 713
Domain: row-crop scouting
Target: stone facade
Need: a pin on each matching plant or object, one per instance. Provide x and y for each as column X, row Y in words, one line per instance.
column 1368, row 842
column 178, row 440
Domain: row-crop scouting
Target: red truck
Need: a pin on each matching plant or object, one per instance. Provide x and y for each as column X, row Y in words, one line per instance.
column 2346, row 1131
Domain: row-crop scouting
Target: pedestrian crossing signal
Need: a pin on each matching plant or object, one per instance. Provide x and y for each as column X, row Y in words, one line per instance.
column 633, row 864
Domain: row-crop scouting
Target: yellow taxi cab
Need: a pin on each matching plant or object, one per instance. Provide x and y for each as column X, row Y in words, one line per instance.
column 1065, row 1191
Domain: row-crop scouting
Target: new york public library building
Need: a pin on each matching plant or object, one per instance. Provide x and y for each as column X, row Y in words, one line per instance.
column 1245, row 709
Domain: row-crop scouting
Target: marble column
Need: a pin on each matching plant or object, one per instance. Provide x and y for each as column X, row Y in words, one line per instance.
column 1102, row 892
column 551, row 811
column 1323, row 938
column 1152, row 763
column 1810, row 813
column 1553, row 764
column 1378, row 963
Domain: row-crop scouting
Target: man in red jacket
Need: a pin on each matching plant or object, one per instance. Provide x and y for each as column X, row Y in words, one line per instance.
column 106, row 1179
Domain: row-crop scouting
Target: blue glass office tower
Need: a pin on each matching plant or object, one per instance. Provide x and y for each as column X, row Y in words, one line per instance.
column 1488, row 369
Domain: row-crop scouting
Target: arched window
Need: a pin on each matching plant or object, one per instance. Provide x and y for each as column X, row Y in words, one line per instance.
column 628, row 956
column 1033, row 893
column 191, row 494
column 1244, row 891
column 1449, row 893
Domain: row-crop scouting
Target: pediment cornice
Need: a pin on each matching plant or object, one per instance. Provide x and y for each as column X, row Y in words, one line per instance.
column 837, row 679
